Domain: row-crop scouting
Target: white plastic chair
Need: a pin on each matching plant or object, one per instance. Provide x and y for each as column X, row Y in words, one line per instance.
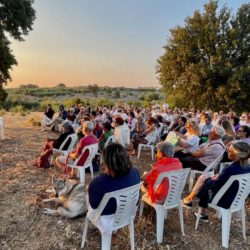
column 209, row 171
column 238, row 204
column 110, row 140
column 1, row 128
column 126, row 200
column 92, row 149
column 224, row 165
column 150, row 144
column 177, row 180
column 73, row 140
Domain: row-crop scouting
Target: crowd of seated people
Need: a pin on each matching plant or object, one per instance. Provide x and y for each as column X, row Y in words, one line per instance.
column 203, row 136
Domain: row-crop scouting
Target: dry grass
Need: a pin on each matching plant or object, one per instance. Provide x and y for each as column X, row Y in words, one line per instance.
column 22, row 188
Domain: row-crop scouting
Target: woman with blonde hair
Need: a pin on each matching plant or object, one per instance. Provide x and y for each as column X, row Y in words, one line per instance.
column 189, row 141
column 229, row 131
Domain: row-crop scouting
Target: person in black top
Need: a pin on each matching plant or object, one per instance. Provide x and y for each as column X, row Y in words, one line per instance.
column 67, row 129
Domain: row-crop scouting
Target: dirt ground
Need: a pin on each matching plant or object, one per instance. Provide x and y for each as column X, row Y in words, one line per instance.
column 24, row 226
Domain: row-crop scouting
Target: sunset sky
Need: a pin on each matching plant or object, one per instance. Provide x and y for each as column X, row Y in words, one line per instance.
column 111, row 42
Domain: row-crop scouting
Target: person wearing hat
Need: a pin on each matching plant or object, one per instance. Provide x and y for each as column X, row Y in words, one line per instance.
column 165, row 163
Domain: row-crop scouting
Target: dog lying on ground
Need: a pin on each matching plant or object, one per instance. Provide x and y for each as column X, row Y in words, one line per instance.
column 70, row 196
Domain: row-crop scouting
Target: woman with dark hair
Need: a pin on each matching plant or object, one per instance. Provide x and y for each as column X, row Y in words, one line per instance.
column 106, row 133
column 118, row 174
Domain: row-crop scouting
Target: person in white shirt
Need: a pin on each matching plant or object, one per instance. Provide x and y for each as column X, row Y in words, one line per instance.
column 122, row 132
column 189, row 141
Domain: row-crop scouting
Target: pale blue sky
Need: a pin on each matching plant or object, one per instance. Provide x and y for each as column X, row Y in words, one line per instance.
column 108, row 42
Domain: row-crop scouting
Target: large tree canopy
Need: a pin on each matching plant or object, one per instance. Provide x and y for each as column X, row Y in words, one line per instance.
column 207, row 61
column 16, row 20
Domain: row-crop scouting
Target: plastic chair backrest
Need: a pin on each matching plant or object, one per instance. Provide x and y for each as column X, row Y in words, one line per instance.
column 73, row 139
column 215, row 163
column 111, row 139
column 243, row 191
column 177, row 180
column 92, row 149
column 153, row 137
column 126, row 201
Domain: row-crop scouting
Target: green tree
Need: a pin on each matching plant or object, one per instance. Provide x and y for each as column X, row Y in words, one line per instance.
column 206, row 62
column 16, row 20
column 94, row 88
column 61, row 85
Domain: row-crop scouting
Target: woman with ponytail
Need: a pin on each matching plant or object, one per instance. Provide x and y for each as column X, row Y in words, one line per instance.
column 206, row 188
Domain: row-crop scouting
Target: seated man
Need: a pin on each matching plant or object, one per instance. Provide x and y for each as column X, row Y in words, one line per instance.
column 207, row 126
column 206, row 188
column 88, row 139
column 207, row 152
column 61, row 117
column 165, row 163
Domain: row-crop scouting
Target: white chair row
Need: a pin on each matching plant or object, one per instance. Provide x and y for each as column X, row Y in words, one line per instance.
column 1, row 128
column 127, row 200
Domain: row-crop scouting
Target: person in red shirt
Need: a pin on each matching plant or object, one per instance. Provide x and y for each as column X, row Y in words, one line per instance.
column 88, row 139
column 165, row 162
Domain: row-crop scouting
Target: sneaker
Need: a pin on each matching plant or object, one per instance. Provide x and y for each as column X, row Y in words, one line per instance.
column 187, row 204
column 203, row 217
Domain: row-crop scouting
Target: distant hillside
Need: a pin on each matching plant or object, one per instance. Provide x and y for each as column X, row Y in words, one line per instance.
column 32, row 97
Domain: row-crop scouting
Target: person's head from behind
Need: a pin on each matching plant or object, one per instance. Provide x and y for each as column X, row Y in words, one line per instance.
column 164, row 149
column 87, row 128
column 244, row 132
column 61, row 107
column 182, row 121
column 107, row 126
column 228, row 127
column 117, row 162
column 118, row 121
column 239, row 151
column 216, row 133
column 236, row 120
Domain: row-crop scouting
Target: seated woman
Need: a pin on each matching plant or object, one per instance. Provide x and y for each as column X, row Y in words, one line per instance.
column 146, row 136
column 229, row 132
column 189, row 141
column 121, row 132
column 206, row 188
column 165, row 162
column 88, row 139
column 118, row 174
column 67, row 129
column 106, row 133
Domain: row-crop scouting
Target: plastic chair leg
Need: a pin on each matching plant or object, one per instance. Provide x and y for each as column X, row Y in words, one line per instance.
column 191, row 180
column 81, row 172
column 243, row 222
column 139, row 151
column 198, row 218
column 159, row 224
column 181, row 219
column 84, row 234
column 152, row 153
column 106, row 241
column 91, row 171
column 132, row 234
column 226, row 222
column 141, row 208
